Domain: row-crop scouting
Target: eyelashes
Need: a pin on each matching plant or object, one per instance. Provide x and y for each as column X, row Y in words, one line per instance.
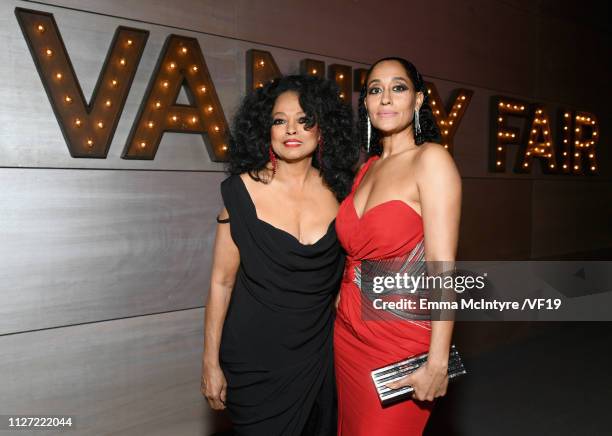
column 395, row 88
column 279, row 121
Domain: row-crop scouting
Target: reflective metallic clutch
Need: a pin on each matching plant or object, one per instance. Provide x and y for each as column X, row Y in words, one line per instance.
column 398, row 370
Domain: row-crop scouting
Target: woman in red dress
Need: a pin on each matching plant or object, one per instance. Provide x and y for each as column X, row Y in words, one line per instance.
column 406, row 200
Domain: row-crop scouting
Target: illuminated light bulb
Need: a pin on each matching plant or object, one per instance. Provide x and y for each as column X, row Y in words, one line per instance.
column 172, row 65
column 40, row 28
column 548, row 155
column 442, row 122
column 174, row 118
column 433, row 103
column 437, row 112
column 594, row 133
column 577, row 142
column 530, row 141
column 224, row 148
column 209, row 108
column 202, row 88
column 544, row 121
column 522, row 107
column 342, row 95
column 428, row 91
column 565, row 128
column 150, row 124
column 184, row 50
column 539, row 111
column 194, row 68
column 100, row 124
column 108, row 103
column 114, row 82
column 548, row 143
column 165, row 84
column 500, row 134
column 552, row 165
column 459, row 106
column 499, row 148
column 77, row 122
column 261, row 63
column 593, row 142
column 446, row 132
column 515, row 107
column 509, row 105
column 67, row 99
column 525, row 164
column 564, row 166
column 546, row 132
column 463, row 97
column 90, row 142
column 565, row 141
column 534, row 131
column 130, row 42
column 576, row 154
column 217, row 128
column 314, row 71
column 501, row 103
column 577, row 129
column 445, row 146
column 591, row 155
column 122, row 61
column 340, row 76
column 528, row 153
column 513, row 135
column 59, row 76
column 450, row 122
column 575, row 167
column 49, row 52
column 194, row 119
column 260, row 85
column 498, row 163
column 158, row 104
column 143, row 144
column 500, row 119
column 593, row 168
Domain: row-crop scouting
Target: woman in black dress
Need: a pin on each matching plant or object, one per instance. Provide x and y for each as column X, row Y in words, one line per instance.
column 277, row 263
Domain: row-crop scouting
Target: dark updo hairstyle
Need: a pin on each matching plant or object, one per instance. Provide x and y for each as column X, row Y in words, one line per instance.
column 250, row 138
column 429, row 128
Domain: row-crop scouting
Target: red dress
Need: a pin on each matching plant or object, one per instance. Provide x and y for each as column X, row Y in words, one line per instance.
column 391, row 229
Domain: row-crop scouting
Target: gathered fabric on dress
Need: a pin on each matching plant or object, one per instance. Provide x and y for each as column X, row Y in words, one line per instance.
column 364, row 341
column 276, row 346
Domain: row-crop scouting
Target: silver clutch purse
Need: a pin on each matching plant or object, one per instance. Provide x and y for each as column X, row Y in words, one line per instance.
column 398, row 370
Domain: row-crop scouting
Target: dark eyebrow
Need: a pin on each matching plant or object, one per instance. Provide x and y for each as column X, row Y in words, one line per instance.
column 395, row 78
column 283, row 113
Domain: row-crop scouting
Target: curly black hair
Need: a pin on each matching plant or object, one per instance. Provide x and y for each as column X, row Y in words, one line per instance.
column 429, row 128
column 250, row 138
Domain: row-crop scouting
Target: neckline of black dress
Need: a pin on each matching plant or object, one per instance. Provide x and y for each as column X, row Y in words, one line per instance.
column 284, row 232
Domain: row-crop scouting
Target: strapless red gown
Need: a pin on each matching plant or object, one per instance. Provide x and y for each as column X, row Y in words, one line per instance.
column 390, row 229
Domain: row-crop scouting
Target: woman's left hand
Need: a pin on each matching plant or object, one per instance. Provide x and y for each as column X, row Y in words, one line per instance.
column 429, row 381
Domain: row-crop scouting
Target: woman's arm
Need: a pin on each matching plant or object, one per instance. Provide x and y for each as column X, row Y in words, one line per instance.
column 226, row 260
column 439, row 187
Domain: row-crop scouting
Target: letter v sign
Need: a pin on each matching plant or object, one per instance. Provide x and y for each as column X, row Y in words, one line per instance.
column 88, row 128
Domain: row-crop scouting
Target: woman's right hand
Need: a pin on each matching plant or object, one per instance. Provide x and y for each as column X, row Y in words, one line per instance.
column 214, row 386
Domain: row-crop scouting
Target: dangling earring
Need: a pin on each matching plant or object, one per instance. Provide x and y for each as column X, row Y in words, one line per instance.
column 417, row 124
column 369, row 133
column 273, row 160
column 320, row 154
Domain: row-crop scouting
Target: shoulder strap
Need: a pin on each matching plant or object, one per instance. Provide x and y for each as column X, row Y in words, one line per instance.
column 363, row 170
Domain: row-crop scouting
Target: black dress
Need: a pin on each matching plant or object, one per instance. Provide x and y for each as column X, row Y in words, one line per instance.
column 276, row 346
